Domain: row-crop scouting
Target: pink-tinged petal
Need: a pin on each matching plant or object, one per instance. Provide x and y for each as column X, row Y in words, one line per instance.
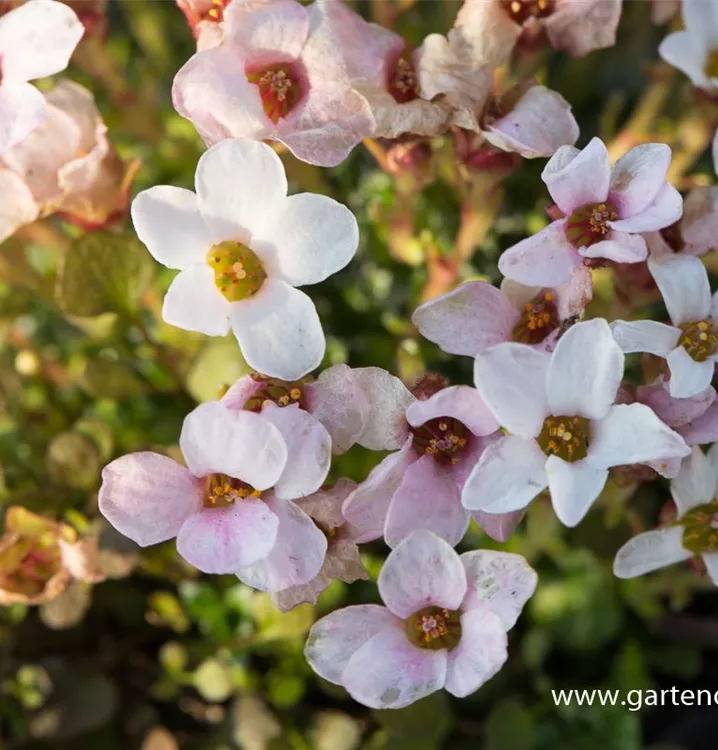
column 499, row 526
column 467, row 319
column 334, row 639
column 545, row 259
column 241, row 189
column 675, row 412
column 22, row 109
column 645, row 336
column 367, row 507
column 633, row 434
column 620, row 247
column 696, row 482
column 574, row 295
column 688, row 377
column 308, row 238
column 458, row 401
column 507, row 478
column 241, row 444
column 389, row 672
column 585, row 371
column 18, row 206
column 325, row 506
column 147, row 497
column 427, row 498
column 700, row 220
column 688, row 53
column 297, row 555
column 194, row 303
column 386, row 426
column 636, row 180
column 539, row 123
column 650, row 551
column 577, row 179
column 665, row 209
column 221, row 540
column 479, row 655
column 168, row 221
column 337, row 400
column 683, row 282
column 703, row 429
column 498, row 582
column 421, row 571
column 309, row 451
column 279, row 331
column 281, row 26
column 37, row 39
column 574, row 487
column 242, row 391
column 711, row 563
column 511, row 379
column 470, row 456
column 581, row 27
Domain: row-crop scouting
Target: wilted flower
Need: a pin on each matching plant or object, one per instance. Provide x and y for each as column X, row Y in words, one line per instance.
column 690, row 345
column 565, row 432
column 604, row 210
column 695, row 532
column 231, row 509
column 444, row 625
column 36, row 40
column 242, row 246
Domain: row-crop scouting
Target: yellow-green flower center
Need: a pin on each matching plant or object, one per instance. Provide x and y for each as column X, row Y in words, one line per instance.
column 711, row 68
column 699, row 338
column 275, row 391
column 238, row 273
column 222, row 490
column 434, row 628
column 700, row 525
column 521, row 10
column 538, row 319
column 565, row 437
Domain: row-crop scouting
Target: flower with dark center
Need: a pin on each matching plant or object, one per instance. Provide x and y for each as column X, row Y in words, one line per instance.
column 522, row 10
column 444, row 438
column 565, row 437
column 279, row 87
column 700, row 526
column 434, row 628
column 699, row 338
column 539, row 319
column 402, row 82
column 589, row 224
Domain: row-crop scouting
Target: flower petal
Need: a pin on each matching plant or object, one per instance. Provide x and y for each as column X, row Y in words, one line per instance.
column 147, row 497
column 18, row 206
column 386, row 425
column 711, row 563
column 645, row 336
column 686, row 52
column 279, row 331
column 574, row 487
column 675, row 412
column 650, row 551
column 296, row 556
column 509, row 475
column 498, row 526
column 422, row 570
column 309, row 451
column 703, row 429
column 458, row 401
column 683, row 282
column 336, row 637
column 695, row 484
column 636, row 180
column 241, row 444
column 242, row 391
column 194, row 303
column 665, row 209
column 585, row 371
column 699, row 226
column 22, row 109
column 221, row 540
column 511, row 379
column 688, row 377
column 281, row 26
column 620, row 247
column 427, row 498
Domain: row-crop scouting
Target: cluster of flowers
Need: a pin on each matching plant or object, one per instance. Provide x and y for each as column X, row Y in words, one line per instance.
column 549, row 409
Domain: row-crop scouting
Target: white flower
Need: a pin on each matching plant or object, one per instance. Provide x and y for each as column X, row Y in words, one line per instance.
column 241, row 246
column 565, row 431
column 694, row 533
column 691, row 344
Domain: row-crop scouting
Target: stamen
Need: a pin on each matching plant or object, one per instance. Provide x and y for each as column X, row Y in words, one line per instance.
column 443, row 437
column 222, row 490
column 539, row 318
column 277, row 392
column 699, row 338
column 279, row 88
column 711, row 69
column 402, row 82
column 521, row 11
column 238, row 273
column 589, row 224
column 565, row 437
column 434, row 628
column 701, row 528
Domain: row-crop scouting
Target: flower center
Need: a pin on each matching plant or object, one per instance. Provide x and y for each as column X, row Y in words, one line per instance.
column 403, row 83
column 701, row 528
column 216, row 12
column 589, row 224
column 538, row 319
column 222, row 491
column 565, row 437
column 434, row 628
column 279, row 392
column 444, row 438
column 699, row 338
column 711, row 69
column 521, row 10
column 238, row 273
column 279, row 87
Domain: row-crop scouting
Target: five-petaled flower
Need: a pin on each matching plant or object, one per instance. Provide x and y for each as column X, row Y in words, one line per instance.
column 444, row 624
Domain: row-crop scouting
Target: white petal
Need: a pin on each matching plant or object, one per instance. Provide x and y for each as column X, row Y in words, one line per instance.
column 386, row 425
column 22, row 109
column 711, row 562
column 695, row 483
column 620, row 247
column 18, row 207
column 585, row 371
column 665, row 209
column 241, row 444
column 458, row 401
column 688, row 377
column 281, row 26
column 510, row 474
column 279, row 331
column 511, row 379
column 683, row 282
column 636, row 180
column 574, row 487
column 645, row 336
column 194, row 303
column 650, row 551
column 241, row 187
column 685, row 52
column 701, row 20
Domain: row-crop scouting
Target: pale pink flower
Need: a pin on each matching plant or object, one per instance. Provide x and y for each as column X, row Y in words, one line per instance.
column 242, row 246
column 564, row 431
column 36, row 40
column 206, row 19
column 231, row 509
column 695, row 532
column 690, row 344
column 605, row 210
column 477, row 315
column 278, row 74
column 443, row 625
column 342, row 561
column 437, row 442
